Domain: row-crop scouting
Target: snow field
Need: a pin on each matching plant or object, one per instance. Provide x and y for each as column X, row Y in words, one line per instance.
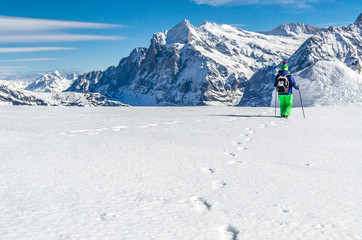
column 180, row 173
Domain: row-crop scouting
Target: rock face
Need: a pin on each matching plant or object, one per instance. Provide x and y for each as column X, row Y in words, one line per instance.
column 342, row 45
column 52, row 82
column 9, row 95
column 206, row 65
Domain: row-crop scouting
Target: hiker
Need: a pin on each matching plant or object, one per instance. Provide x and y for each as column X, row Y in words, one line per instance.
column 284, row 83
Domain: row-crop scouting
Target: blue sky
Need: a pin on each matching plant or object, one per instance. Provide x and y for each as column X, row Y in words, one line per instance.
column 43, row 36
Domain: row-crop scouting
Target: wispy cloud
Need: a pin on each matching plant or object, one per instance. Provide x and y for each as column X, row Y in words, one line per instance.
column 14, row 24
column 27, row 31
column 296, row 3
column 34, row 49
column 31, row 30
column 32, row 60
column 57, row 37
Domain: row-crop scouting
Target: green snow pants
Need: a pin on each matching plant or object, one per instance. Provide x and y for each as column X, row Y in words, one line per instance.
column 286, row 104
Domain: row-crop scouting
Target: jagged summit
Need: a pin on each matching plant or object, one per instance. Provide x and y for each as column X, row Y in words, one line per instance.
column 358, row 20
column 181, row 26
column 180, row 33
column 291, row 29
column 52, row 82
column 204, row 23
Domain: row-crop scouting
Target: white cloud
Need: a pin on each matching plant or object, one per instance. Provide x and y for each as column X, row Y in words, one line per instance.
column 31, row 60
column 34, row 49
column 56, row 37
column 31, row 30
column 295, row 3
column 18, row 24
column 26, row 31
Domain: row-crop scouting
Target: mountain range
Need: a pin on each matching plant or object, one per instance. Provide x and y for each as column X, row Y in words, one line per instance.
column 52, row 82
column 223, row 65
column 206, row 65
column 13, row 96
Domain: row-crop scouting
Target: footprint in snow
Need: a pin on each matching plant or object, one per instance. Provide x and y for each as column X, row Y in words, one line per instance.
column 248, row 139
column 107, row 216
column 236, row 143
column 200, row 204
column 250, row 130
column 262, row 126
column 208, row 170
column 218, row 184
column 235, row 162
column 242, row 148
column 230, row 154
column 282, row 208
column 228, row 232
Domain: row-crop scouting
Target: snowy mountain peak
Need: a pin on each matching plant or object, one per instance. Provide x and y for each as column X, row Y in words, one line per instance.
column 52, row 82
column 208, row 24
column 180, row 33
column 358, row 20
column 57, row 73
column 292, row 29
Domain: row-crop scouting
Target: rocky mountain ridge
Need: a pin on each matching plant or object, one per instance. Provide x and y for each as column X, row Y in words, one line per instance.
column 293, row 29
column 52, row 82
column 12, row 96
column 187, row 65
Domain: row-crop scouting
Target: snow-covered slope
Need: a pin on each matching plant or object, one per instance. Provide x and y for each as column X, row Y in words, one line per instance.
column 12, row 96
column 188, row 65
column 52, row 82
column 336, row 45
column 329, row 83
column 15, row 83
column 214, row 173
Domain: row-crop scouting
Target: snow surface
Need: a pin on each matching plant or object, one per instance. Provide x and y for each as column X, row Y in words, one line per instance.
column 180, row 173
column 14, row 84
column 326, row 83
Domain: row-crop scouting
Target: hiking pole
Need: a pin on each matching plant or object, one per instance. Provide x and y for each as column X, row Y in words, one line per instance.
column 300, row 96
column 275, row 102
